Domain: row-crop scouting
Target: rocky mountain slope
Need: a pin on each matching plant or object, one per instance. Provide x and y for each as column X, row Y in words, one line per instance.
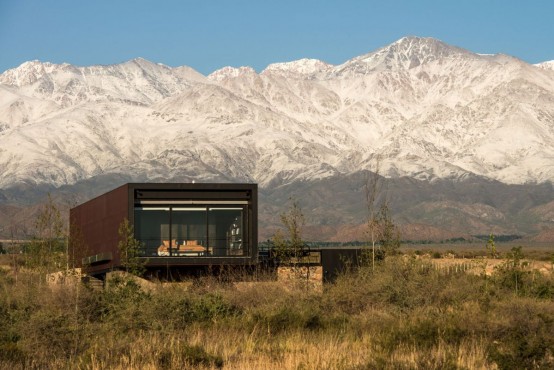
column 430, row 111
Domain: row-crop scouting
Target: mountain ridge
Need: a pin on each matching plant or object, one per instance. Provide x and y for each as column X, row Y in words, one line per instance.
column 404, row 87
column 421, row 108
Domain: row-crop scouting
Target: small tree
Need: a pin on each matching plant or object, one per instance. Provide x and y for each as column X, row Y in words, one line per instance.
column 389, row 235
column 291, row 249
column 372, row 189
column 47, row 250
column 511, row 273
column 294, row 221
column 491, row 247
column 293, row 246
column 130, row 250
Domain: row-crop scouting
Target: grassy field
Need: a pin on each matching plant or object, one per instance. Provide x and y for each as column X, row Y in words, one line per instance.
column 402, row 315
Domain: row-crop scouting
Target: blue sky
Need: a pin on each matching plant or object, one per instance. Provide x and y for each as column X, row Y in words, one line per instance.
column 208, row 35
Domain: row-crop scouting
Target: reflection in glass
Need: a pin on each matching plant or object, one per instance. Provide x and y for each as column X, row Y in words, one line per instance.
column 152, row 228
column 191, row 231
column 225, row 231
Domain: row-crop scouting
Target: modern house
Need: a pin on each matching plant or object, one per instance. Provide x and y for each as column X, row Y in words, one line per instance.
column 180, row 226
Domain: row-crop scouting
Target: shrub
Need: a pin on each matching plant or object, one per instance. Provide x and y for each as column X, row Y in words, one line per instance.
column 11, row 354
column 542, row 286
column 192, row 355
column 208, row 307
column 287, row 318
column 521, row 334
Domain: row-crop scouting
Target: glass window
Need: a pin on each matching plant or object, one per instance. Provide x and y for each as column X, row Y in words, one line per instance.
column 152, row 229
column 188, row 229
column 196, row 231
column 226, row 231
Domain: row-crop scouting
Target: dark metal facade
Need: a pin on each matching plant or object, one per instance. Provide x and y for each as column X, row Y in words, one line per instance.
column 335, row 261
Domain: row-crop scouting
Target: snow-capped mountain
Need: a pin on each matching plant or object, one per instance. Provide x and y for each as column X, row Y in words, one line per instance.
column 299, row 68
column 230, row 72
column 427, row 109
column 546, row 65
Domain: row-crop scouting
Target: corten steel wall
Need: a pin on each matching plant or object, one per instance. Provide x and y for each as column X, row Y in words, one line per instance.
column 94, row 228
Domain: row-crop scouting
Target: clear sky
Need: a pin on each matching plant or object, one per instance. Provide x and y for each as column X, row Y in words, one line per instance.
column 208, row 35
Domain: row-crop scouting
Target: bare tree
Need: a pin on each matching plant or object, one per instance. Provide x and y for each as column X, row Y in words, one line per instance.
column 380, row 228
column 47, row 249
column 389, row 234
column 289, row 247
column 372, row 189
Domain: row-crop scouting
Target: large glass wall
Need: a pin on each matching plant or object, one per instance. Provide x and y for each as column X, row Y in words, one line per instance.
column 196, row 231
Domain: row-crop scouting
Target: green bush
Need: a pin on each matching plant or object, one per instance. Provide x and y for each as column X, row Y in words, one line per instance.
column 208, row 307
column 542, row 287
column 125, row 304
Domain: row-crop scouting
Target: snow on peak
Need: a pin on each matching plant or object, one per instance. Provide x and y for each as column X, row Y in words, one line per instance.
column 137, row 82
column 28, row 73
column 143, row 63
column 303, row 66
column 230, row 72
column 406, row 53
column 422, row 46
column 546, row 65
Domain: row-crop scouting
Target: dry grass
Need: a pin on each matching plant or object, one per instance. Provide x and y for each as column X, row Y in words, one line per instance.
column 401, row 316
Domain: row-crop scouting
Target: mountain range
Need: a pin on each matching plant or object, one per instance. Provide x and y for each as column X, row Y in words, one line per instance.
column 453, row 132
